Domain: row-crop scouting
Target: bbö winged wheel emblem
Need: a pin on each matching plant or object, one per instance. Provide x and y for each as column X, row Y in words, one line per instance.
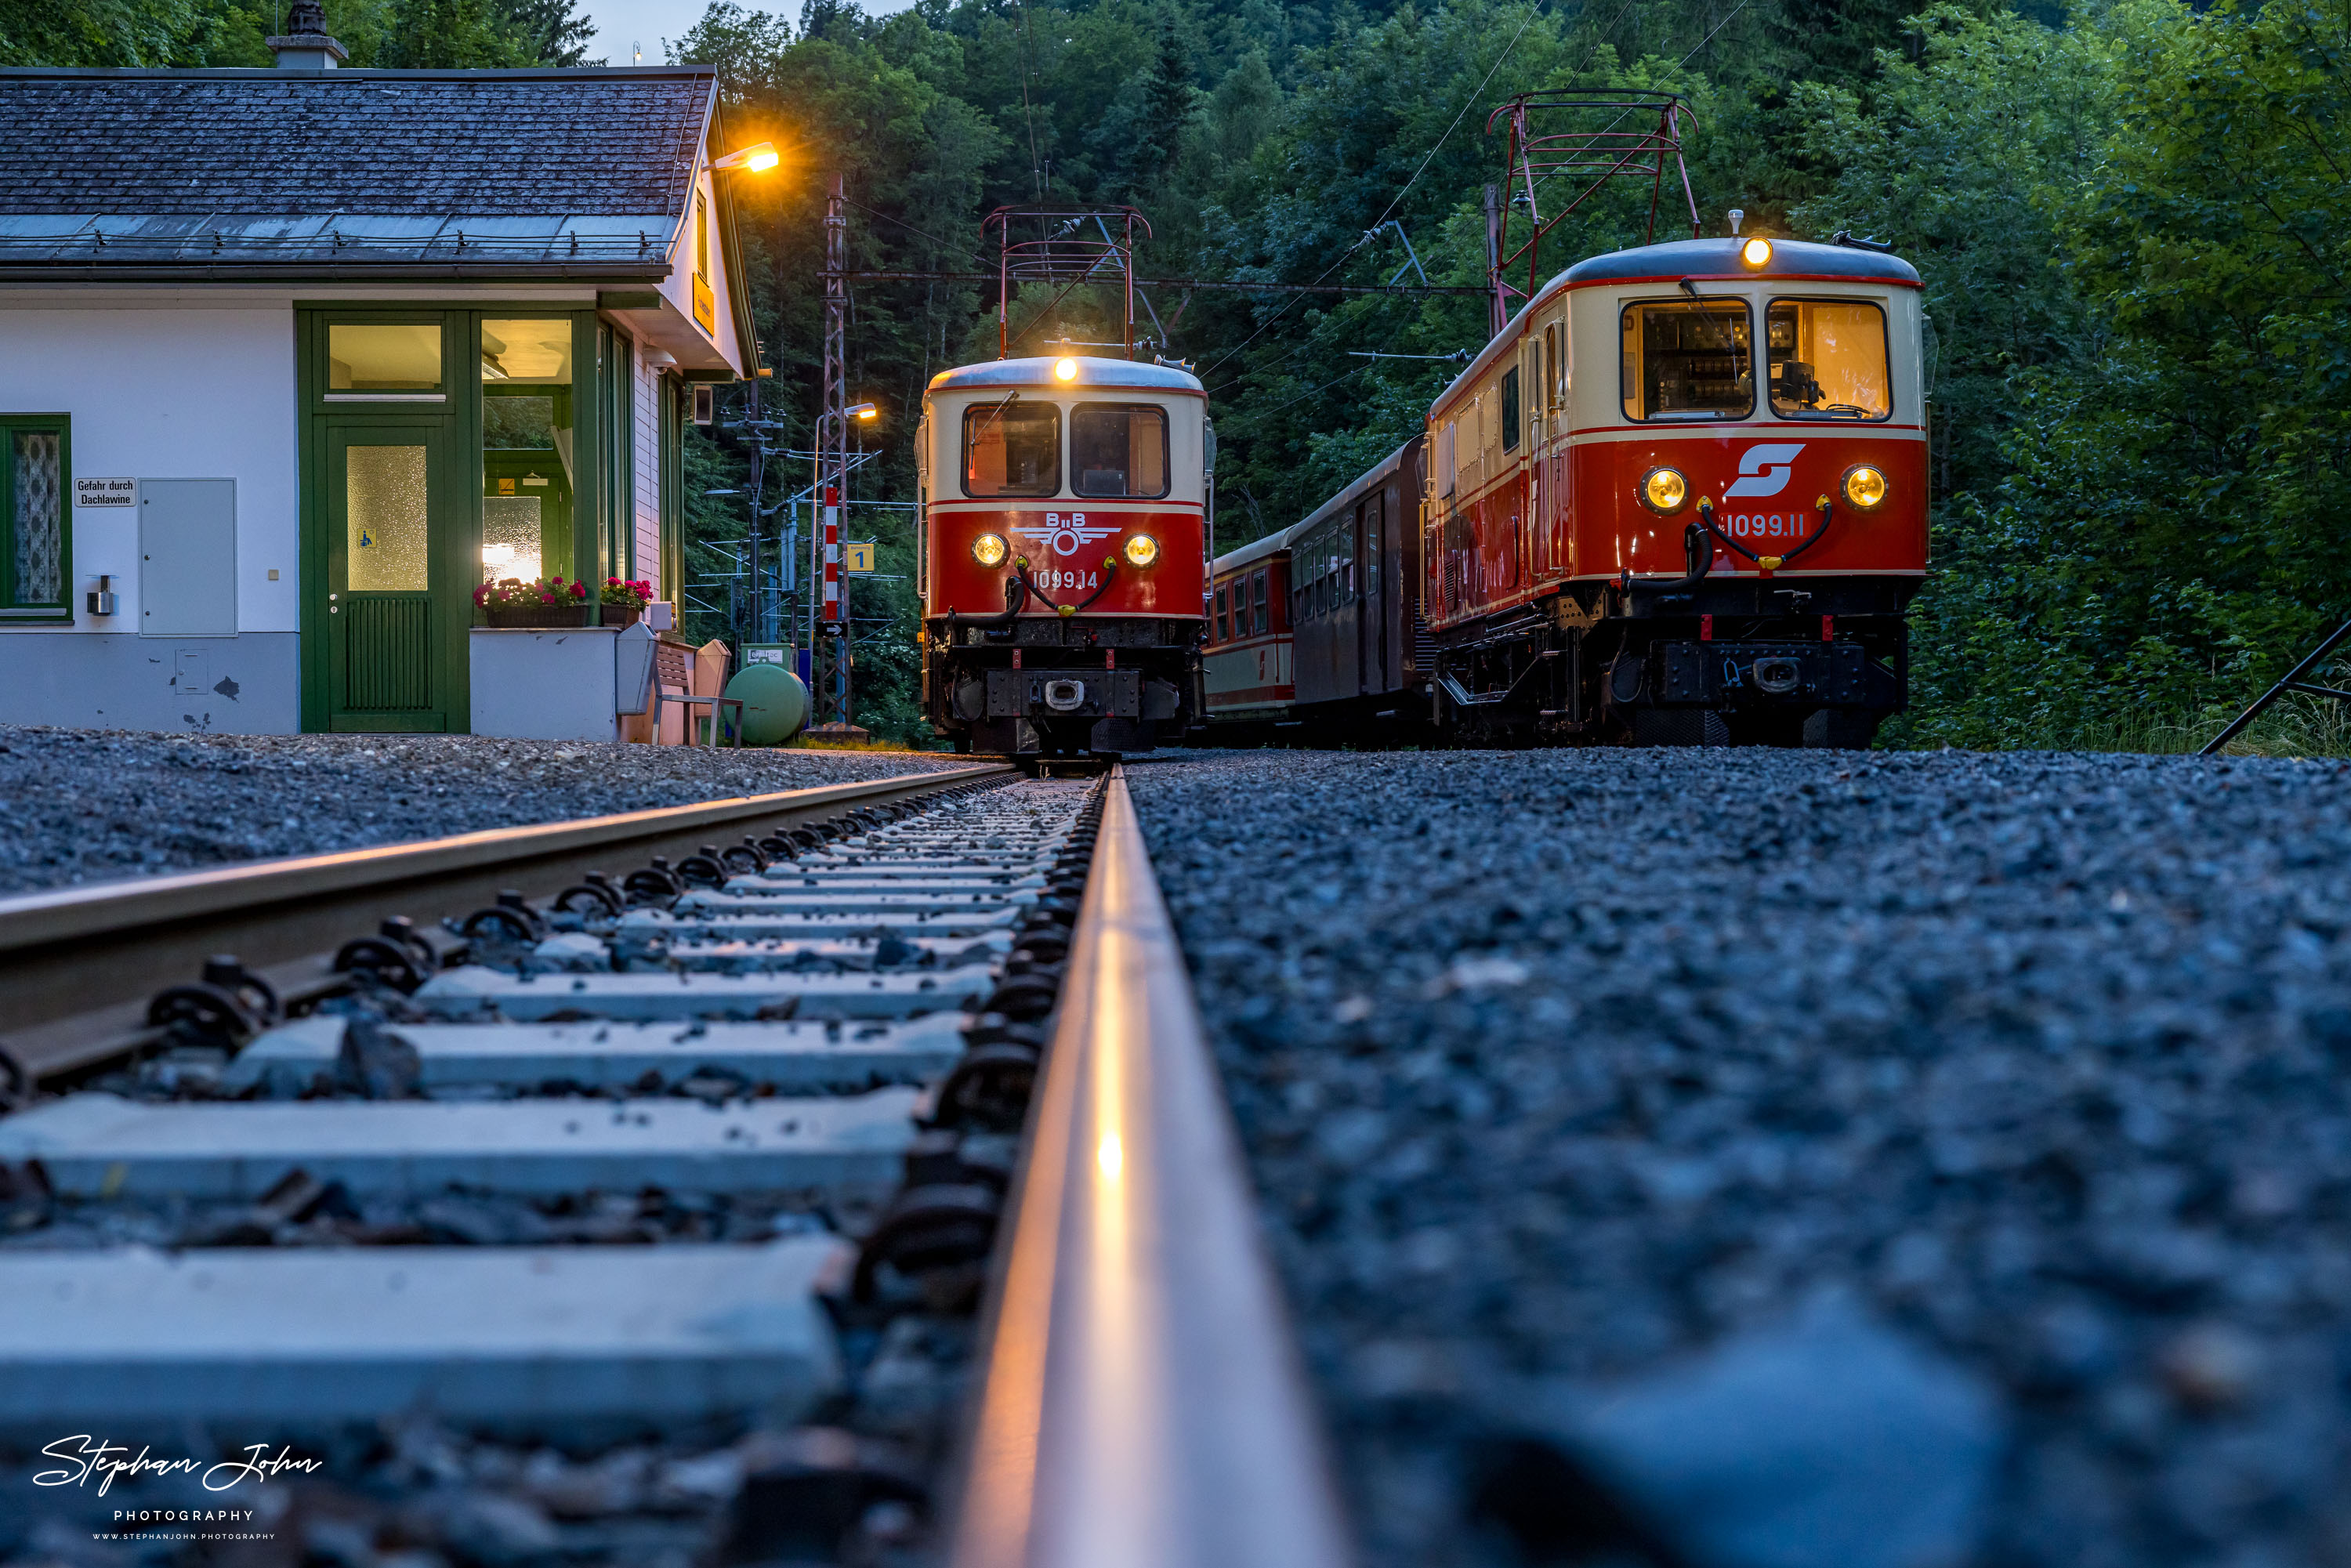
column 1763, row 470
column 1069, row 535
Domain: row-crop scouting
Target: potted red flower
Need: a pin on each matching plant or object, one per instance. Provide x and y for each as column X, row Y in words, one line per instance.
column 624, row 601
column 542, row 601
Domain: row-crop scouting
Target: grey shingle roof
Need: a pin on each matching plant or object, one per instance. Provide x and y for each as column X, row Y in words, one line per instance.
column 245, row 168
column 509, row 144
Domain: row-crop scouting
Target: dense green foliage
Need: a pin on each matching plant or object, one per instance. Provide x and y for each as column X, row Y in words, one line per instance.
column 2132, row 220
column 440, row 34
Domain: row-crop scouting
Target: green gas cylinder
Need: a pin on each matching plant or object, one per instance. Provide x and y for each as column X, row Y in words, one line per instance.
column 775, row 704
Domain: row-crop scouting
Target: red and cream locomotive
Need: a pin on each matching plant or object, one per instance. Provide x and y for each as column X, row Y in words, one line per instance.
column 1679, row 498
column 1062, row 554
column 1682, row 499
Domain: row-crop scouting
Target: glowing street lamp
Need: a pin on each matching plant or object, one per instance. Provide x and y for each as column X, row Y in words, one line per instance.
column 756, row 159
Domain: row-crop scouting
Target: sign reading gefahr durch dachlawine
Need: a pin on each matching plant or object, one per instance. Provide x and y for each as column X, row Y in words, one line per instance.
column 106, row 492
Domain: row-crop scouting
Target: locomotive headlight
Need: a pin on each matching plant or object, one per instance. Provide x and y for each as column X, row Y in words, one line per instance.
column 1065, row 370
column 1663, row 491
column 1756, row 253
column 1865, row 487
column 990, row 549
column 1141, row 550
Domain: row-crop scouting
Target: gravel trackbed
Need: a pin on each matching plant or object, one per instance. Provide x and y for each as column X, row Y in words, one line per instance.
column 81, row 805
column 1572, row 1079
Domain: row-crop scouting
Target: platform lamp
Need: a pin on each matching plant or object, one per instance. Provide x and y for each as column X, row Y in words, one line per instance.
column 756, row 159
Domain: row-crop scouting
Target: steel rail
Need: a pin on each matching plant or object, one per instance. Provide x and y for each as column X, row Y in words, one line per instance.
column 1142, row 1403
column 66, row 953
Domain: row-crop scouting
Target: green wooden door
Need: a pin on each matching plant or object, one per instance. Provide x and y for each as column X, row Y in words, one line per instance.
column 387, row 539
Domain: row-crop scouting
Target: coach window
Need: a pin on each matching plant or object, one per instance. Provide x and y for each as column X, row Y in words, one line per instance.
column 1688, row 359
column 1119, row 449
column 1256, row 586
column 1511, row 410
column 1224, row 631
column 1828, row 359
column 1012, row 448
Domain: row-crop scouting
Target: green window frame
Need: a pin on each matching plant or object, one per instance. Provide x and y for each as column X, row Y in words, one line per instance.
column 36, row 579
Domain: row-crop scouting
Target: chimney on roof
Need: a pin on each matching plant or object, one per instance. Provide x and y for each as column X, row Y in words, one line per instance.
column 306, row 44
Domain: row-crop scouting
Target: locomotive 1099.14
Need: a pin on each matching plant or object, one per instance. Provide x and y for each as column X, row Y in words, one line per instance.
column 1062, row 557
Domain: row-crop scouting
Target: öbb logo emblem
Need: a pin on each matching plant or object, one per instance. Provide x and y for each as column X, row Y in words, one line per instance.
column 1763, row 470
column 1066, row 535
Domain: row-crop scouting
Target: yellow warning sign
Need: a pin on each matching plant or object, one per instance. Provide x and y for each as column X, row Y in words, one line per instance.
column 857, row 555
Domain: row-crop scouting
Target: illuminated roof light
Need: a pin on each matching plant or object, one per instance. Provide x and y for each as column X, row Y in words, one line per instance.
column 1065, row 370
column 1756, row 253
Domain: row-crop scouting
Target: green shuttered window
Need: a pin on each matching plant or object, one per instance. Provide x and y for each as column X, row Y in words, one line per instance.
column 35, row 514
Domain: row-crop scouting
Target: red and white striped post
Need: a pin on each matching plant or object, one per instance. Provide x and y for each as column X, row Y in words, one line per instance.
column 832, row 555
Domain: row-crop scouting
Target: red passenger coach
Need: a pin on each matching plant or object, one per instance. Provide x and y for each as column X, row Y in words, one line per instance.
column 1681, row 499
column 1246, row 664
column 1064, row 555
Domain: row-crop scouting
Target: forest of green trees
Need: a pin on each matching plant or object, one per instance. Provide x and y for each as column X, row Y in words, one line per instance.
column 2133, row 221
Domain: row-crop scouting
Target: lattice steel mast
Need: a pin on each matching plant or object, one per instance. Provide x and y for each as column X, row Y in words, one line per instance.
column 829, row 656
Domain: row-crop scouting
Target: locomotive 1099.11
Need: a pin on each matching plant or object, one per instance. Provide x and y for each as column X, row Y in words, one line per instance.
column 1062, row 557
column 1679, row 498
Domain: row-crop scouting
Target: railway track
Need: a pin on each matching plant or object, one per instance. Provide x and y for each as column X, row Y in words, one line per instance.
column 553, row 1215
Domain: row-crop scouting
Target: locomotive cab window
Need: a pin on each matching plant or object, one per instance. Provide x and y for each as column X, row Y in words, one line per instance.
column 1119, row 449
column 1827, row 359
column 1012, row 448
column 1688, row 359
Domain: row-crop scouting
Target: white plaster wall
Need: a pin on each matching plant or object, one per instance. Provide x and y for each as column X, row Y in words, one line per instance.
column 169, row 392
column 645, row 399
column 678, row 287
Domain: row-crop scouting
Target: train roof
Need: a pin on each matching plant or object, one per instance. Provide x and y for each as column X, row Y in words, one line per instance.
column 1355, row 489
column 1283, row 538
column 1256, row 550
column 1130, row 374
column 1699, row 261
column 1719, row 259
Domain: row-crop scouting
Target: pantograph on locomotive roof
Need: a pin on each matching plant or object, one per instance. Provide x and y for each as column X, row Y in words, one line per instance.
column 1068, row 245
column 1553, row 133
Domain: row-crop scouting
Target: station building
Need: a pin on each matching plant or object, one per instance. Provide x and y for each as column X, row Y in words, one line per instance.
column 292, row 360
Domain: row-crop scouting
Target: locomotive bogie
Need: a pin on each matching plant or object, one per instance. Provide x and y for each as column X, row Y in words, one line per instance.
column 1061, row 556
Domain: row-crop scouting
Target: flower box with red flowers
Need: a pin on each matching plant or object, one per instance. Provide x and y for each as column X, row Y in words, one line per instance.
column 624, row 601
column 542, row 601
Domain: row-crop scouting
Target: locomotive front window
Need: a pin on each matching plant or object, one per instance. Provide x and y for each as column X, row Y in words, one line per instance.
column 1012, row 448
column 1119, row 449
column 1828, row 359
column 1688, row 359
